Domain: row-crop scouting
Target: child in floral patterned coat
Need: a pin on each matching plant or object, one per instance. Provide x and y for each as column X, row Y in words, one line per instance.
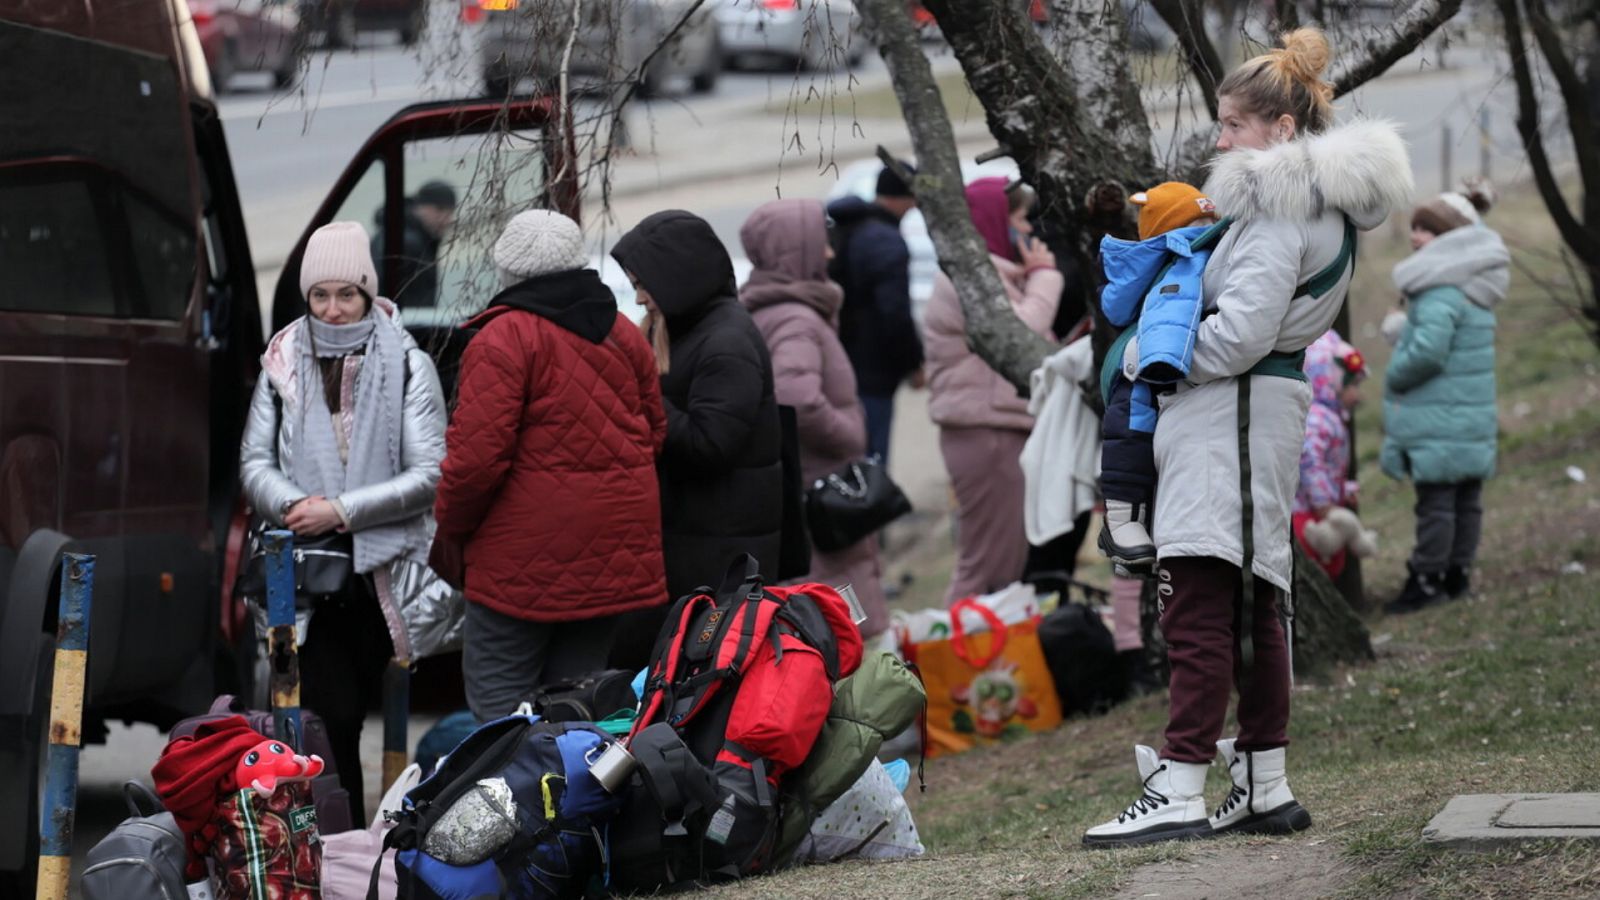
column 1324, row 520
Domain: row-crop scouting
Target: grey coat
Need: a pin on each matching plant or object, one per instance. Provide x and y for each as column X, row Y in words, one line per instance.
column 424, row 614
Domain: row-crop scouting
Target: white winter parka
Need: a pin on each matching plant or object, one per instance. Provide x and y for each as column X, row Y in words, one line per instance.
column 1289, row 203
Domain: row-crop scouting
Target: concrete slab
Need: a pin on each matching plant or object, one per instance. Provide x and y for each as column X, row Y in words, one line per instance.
column 1488, row 822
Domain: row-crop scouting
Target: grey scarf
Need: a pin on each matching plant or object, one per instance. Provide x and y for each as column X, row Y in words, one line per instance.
column 372, row 409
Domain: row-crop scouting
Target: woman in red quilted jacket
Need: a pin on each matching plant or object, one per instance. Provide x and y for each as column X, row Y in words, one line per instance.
column 548, row 507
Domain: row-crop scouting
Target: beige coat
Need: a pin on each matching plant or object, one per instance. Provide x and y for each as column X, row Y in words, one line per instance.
column 963, row 391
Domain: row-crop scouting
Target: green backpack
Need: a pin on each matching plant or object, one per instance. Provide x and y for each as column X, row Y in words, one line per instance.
column 882, row 699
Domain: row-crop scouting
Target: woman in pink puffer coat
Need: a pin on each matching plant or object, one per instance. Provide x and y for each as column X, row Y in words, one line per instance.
column 983, row 421
column 796, row 308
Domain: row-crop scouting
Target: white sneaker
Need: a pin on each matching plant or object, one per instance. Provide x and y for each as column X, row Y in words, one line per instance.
column 1173, row 807
column 1260, row 801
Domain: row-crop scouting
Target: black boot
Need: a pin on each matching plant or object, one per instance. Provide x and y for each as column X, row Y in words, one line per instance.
column 1421, row 589
column 1457, row 582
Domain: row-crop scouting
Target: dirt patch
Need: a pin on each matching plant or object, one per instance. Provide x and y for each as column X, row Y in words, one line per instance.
column 1258, row 869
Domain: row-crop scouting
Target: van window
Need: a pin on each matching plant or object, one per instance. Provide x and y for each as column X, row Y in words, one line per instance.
column 74, row 241
column 459, row 193
column 96, row 200
column 52, row 258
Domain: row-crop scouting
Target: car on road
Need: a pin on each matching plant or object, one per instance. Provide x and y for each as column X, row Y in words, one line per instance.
column 339, row 21
column 249, row 36
column 817, row 35
column 860, row 179
column 522, row 40
column 130, row 338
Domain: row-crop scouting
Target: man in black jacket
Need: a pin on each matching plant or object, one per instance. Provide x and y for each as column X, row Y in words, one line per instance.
column 875, row 323
column 428, row 216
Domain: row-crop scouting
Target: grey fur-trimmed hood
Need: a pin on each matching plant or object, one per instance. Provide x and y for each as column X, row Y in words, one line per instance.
column 1360, row 168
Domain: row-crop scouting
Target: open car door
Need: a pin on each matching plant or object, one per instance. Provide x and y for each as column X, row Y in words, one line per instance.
column 489, row 158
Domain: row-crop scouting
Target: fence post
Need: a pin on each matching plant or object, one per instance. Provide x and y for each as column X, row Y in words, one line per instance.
column 1483, row 142
column 396, row 712
column 282, row 655
column 1445, row 181
column 66, row 726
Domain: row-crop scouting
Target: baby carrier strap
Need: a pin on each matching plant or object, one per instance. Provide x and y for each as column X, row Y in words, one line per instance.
column 1285, row 365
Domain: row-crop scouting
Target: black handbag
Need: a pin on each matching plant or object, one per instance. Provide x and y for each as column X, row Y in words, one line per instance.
column 323, row 566
column 851, row 504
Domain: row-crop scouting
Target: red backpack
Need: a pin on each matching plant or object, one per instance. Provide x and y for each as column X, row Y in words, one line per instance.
column 739, row 686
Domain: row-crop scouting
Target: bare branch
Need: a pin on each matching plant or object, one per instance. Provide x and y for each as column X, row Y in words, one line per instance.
column 1186, row 18
column 1395, row 42
column 1572, row 231
column 1580, row 116
column 997, row 335
column 1287, row 13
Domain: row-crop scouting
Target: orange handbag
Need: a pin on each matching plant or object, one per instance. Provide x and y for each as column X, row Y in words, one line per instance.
column 985, row 686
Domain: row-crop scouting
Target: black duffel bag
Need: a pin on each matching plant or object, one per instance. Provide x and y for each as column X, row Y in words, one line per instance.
column 587, row 698
column 851, row 504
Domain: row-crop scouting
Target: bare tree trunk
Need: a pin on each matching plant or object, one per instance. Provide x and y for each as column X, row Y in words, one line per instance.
column 1064, row 146
column 997, row 335
column 1582, row 236
column 1091, row 40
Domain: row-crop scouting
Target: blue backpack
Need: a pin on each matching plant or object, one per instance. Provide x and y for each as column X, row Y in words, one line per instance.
column 561, row 812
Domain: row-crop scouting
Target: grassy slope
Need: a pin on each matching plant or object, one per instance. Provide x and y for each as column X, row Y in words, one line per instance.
column 1495, row 694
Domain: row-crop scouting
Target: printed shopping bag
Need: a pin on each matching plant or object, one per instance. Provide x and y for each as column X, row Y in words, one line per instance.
column 984, row 686
column 267, row 848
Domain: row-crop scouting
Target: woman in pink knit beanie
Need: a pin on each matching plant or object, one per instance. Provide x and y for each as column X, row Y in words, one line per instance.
column 342, row 447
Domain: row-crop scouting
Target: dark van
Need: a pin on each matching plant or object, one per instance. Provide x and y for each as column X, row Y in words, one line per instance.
column 130, row 333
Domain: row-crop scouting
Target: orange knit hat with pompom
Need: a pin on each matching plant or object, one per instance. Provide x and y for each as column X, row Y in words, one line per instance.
column 1169, row 206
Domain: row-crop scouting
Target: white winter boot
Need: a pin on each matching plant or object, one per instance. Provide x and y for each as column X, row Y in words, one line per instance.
column 1260, row 801
column 1173, row 807
column 1124, row 538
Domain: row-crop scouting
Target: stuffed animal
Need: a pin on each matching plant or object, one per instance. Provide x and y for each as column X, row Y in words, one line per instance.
column 270, row 763
column 1338, row 530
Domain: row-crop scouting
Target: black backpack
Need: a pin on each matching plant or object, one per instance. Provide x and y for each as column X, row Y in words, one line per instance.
column 1082, row 657
column 141, row 858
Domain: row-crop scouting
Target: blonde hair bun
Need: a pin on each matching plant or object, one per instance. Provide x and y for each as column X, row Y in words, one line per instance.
column 1305, row 55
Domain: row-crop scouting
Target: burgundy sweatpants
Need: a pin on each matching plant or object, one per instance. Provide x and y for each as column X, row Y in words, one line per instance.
column 1200, row 620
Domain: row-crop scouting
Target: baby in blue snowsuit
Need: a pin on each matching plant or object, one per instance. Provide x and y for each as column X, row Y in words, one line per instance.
column 1153, row 291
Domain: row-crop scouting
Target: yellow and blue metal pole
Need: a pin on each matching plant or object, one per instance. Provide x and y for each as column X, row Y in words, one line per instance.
column 396, row 711
column 66, row 726
column 282, row 653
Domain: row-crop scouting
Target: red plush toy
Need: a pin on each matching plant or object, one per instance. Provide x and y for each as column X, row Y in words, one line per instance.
column 269, row 764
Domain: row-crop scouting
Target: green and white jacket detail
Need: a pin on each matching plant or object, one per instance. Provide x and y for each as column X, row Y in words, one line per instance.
column 1289, row 203
column 1439, row 418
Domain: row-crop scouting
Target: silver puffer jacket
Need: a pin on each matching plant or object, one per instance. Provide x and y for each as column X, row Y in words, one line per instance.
column 424, row 613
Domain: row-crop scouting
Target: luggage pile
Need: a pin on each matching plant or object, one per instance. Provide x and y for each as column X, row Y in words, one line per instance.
column 751, row 745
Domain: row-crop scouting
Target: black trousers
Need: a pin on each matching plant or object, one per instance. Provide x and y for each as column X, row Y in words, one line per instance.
column 341, row 677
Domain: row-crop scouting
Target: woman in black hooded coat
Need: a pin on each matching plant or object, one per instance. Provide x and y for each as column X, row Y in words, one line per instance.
column 721, row 470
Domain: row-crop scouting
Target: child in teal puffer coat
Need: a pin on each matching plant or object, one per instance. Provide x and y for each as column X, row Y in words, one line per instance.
column 1440, row 422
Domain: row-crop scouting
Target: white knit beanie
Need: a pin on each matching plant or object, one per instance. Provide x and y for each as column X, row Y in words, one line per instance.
column 339, row 251
column 538, row 242
column 1461, row 205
